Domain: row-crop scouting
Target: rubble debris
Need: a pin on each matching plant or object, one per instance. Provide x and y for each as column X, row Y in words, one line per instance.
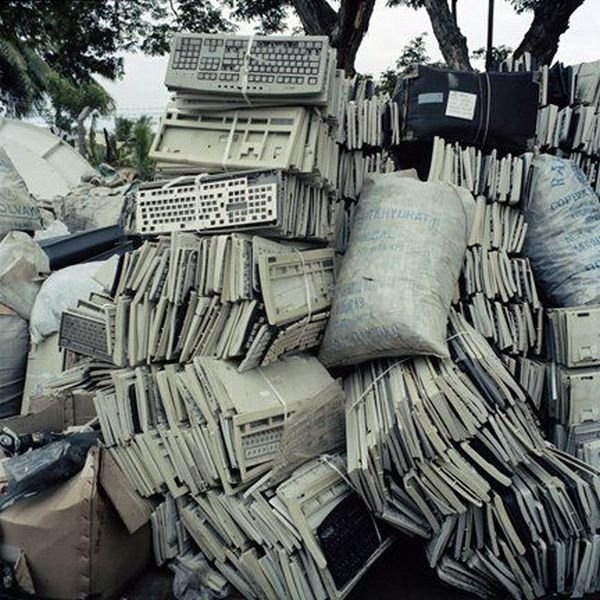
column 89, row 206
column 18, row 210
column 13, row 444
column 195, row 579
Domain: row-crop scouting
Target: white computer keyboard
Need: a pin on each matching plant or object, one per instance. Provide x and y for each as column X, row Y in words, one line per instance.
column 264, row 65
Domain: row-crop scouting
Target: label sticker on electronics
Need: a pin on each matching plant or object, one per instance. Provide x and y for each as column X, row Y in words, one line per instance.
column 431, row 98
column 461, row 105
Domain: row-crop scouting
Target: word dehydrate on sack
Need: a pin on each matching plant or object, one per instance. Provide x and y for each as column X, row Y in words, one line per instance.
column 400, row 271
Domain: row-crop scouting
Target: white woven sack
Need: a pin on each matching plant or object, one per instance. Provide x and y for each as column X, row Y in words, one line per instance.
column 399, row 274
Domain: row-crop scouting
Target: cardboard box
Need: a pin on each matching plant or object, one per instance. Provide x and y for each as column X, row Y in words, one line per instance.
column 134, row 510
column 73, row 539
column 47, row 417
column 44, row 360
column 54, row 412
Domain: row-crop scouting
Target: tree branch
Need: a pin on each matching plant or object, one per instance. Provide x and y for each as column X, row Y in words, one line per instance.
column 352, row 24
column 453, row 44
column 317, row 16
column 550, row 21
column 346, row 28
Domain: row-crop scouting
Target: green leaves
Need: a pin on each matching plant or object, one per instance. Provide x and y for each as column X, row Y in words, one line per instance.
column 23, row 75
column 134, row 139
column 524, row 5
column 414, row 53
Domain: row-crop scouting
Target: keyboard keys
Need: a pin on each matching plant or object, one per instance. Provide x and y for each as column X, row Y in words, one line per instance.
column 258, row 61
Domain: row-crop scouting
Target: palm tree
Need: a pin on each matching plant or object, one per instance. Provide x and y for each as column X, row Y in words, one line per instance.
column 24, row 77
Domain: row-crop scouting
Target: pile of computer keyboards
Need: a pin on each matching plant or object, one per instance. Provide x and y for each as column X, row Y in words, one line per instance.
column 288, row 480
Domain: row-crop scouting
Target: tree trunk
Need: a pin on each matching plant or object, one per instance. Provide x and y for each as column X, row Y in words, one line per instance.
column 550, row 21
column 346, row 28
column 352, row 24
column 317, row 16
column 453, row 44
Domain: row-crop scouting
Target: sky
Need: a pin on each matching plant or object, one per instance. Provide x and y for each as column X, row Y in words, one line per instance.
column 142, row 88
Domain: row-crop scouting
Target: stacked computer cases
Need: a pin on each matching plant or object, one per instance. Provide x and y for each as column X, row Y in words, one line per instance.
column 573, row 377
column 310, row 536
column 196, row 351
column 229, row 296
column 204, row 311
column 245, row 102
column 367, row 129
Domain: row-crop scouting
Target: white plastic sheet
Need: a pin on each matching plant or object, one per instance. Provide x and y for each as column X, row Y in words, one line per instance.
column 62, row 290
column 18, row 210
column 22, row 266
column 14, row 341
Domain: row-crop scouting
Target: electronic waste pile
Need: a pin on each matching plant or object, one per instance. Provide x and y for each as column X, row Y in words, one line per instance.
column 185, row 350
column 568, row 127
column 270, row 476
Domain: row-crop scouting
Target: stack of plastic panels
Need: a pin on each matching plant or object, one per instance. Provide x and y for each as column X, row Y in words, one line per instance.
column 311, row 536
column 450, row 451
column 230, row 296
column 269, row 202
column 497, row 292
column 573, row 378
column 252, row 102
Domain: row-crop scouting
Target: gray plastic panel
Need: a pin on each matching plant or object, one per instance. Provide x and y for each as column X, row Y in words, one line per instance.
column 84, row 335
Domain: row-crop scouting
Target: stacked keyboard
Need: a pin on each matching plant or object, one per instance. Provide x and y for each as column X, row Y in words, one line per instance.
column 230, row 296
column 270, row 203
column 252, row 102
column 310, row 536
column 290, row 138
column 215, row 67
